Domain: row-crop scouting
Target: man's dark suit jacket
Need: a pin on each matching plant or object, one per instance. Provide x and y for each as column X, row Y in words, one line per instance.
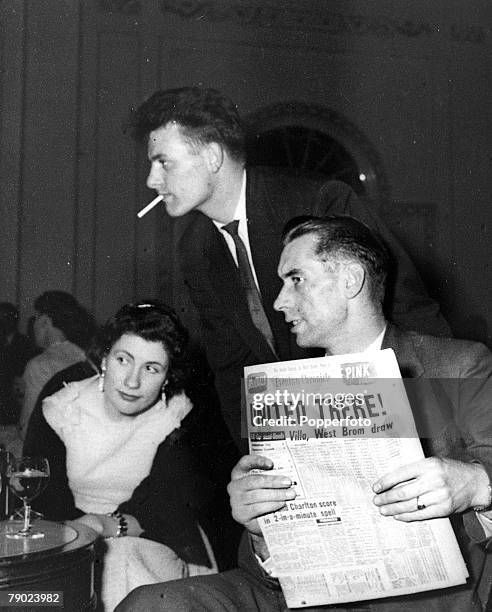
column 449, row 383
column 231, row 340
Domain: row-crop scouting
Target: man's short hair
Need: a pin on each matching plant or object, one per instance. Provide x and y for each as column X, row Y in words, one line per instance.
column 341, row 237
column 203, row 114
column 68, row 315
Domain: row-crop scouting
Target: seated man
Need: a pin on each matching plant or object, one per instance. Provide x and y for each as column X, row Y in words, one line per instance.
column 333, row 271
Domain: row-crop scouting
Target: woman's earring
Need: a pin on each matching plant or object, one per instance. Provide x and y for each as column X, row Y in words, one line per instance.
column 100, row 383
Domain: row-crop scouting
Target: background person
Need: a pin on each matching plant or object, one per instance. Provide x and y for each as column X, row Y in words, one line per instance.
column 333, row 272
column 63, row 329
column 195, row 142
column 119, row 454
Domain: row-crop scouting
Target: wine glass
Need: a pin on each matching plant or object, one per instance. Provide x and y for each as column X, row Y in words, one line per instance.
column 28, row 476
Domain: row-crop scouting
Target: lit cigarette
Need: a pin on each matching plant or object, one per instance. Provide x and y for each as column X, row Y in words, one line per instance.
column 149, row 206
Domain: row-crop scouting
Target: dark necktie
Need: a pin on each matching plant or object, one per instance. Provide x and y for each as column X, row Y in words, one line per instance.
column 248, row 284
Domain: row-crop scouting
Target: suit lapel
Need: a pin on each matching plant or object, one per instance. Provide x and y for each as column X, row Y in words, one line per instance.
column 431, row 405
column 264, row 227
column 222, row 270
column 408, row 360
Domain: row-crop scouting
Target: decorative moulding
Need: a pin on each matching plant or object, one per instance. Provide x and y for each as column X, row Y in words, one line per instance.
column 303, row 19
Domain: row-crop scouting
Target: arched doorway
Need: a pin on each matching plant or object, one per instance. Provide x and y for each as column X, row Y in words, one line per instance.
column 312, row 138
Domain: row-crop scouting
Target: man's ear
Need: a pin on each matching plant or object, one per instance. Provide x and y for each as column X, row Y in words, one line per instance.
column 214, row 154
column 354, row 279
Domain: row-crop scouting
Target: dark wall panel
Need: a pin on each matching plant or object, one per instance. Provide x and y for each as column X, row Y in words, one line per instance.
column 116, row 89
column 11, row 130
column 48, row 170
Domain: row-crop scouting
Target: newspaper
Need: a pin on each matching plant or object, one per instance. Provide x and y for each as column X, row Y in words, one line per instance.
column 334, row 425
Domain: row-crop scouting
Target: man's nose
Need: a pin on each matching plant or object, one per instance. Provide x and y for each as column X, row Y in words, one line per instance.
column 132, row 379
column 281, row 301
column 154, row 179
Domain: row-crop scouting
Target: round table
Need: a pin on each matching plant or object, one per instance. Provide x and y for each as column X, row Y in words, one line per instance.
column 62, row 560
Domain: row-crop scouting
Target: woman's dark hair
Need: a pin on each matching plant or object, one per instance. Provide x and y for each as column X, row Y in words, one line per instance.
column 68, row 315
column 154, row 321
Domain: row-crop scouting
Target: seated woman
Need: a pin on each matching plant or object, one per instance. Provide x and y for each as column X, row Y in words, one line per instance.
column 120, row 460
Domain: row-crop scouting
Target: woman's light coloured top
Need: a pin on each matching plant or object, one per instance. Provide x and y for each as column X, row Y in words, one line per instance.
column 107, row 459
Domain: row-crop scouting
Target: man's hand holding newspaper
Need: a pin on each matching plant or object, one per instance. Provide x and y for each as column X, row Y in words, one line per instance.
column 253, row 494
column 443, row 486
column 431, row 488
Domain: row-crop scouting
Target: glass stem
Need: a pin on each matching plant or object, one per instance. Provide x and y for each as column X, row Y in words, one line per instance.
column 27, row 517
